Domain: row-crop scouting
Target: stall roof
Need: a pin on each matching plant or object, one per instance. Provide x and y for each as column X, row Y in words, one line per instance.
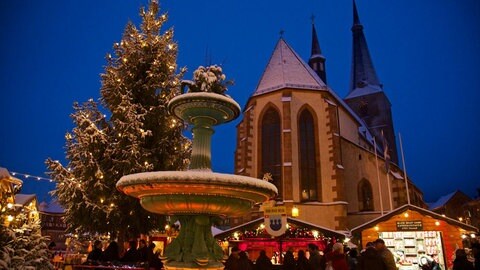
column 290, row 220
column 414, row 208
column 24, row 199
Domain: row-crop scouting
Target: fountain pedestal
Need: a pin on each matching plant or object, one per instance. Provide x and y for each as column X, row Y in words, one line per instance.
column 197, row 197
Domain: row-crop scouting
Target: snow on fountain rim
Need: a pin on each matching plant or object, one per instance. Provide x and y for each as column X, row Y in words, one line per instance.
column 221, row 178
column 221, row 97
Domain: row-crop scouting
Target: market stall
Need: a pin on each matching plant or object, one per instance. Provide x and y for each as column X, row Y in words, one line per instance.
column 415, row 236
column 252, row 237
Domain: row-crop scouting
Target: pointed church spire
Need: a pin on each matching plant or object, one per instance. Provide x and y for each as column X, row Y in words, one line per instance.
column 364, row 78
column 366, row 96
column 317, row 60
column 356, row 19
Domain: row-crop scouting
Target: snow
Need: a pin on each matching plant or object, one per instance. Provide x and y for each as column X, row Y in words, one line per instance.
column 216, row 231
column 442, row 201
column 195, row 176
column 52, row 207
column 207, row 95
column 5, row 175
column 396, row 175
column 287, row 69
column 23, row 199
column 367, row 90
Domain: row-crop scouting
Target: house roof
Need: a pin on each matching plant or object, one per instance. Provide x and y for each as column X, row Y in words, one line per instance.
column 24, row 199
column 442, row 201
column 53, row 207
column 5, row 176
column 414, row 208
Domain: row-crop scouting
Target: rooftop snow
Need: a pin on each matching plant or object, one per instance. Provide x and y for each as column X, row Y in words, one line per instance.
column 287, row 70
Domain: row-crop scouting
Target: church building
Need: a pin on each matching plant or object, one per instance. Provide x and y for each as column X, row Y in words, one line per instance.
column 333, row 158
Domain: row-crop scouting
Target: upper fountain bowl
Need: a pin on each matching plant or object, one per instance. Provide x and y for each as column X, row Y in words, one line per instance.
column 196, row 192
column 217, row 108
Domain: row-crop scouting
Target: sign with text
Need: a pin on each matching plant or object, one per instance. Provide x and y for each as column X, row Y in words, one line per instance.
column 410, row 225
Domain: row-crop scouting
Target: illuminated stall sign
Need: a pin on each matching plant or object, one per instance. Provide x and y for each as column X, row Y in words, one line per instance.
column 410, row 225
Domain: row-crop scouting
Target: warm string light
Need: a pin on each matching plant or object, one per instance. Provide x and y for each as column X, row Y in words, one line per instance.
column 33, row 177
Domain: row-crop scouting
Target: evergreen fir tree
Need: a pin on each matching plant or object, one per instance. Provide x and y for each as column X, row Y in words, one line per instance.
column 140, row 135
column 22, row 245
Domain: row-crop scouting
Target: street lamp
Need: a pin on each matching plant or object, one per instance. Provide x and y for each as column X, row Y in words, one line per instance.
column 295, row 211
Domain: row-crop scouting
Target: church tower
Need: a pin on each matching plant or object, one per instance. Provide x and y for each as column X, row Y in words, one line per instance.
column 317, row 60
column 366, row 96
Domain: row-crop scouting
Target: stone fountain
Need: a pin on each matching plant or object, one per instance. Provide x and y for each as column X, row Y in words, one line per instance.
column 198, row 196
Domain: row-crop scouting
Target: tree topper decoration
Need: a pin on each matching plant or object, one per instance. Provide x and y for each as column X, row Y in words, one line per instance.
column 207, row 79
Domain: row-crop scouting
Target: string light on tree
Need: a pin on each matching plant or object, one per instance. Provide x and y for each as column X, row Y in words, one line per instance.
column 139, row 80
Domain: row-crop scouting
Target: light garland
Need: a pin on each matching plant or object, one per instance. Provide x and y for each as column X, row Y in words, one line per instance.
column 33, row 177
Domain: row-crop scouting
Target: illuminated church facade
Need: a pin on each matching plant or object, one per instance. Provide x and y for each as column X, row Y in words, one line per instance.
column 325, row 154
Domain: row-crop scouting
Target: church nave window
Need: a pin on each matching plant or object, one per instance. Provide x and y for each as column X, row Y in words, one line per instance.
column 271, row 148
column 307, row 156
column 365, row 195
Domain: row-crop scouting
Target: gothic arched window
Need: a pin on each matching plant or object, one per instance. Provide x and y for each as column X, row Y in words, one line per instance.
column 271, row 148
column 365, row 195
column 307, row 155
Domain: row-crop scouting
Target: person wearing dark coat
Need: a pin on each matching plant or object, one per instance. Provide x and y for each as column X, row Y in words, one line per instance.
column 96, row 253
column 461, row 262
column 263, row 262
column 370, row 259
column 352, row 259
column 315, row 260
column 232, row 262
column 302, row 261
column 131, row 256
column 289, row 261
column 244, row 262
column 143, row 250
column 111, row 253
column 154, row 261
column 476, row 255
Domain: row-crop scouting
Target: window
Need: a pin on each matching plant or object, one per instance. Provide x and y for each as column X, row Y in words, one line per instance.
column 308, row 164
column 365, row 196
column 363, row 110
column 271, row 148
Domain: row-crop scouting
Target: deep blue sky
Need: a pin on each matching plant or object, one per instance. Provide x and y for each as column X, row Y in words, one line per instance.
column 426, row 53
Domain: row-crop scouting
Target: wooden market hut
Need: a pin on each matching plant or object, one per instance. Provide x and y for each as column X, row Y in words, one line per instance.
column 411, row 232
column 252, row 237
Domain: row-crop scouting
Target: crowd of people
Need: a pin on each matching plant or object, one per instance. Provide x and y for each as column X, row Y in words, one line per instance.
column 376, row 256
column 134, row 255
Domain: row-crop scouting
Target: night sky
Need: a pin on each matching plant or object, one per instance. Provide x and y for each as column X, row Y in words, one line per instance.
column 426, row 53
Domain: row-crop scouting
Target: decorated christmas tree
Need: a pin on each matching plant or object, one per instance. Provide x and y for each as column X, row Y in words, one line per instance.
column 22, row 245
column 136, row 134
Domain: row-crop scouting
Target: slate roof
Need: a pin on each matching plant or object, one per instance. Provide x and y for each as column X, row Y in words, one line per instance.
column 287, row 70
column 24, row 199
column 363, row 77
column 441, row 201
column 52, row 207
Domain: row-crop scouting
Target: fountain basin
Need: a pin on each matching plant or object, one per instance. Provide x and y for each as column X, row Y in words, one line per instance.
column 217, row 108
column 196, row 192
